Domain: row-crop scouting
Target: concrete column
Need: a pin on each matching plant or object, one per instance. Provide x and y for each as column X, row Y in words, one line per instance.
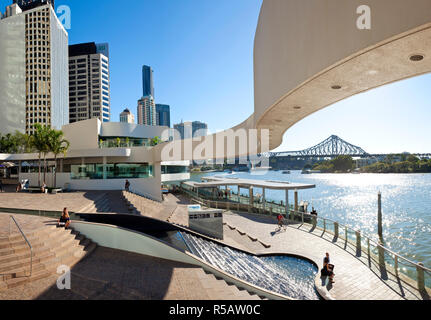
column 358, row 241
column 336, row 229
column 287, row 202
column 105, row 172
column 263, row 199
column 381, row 252
column 421, row 277
column 251, row 199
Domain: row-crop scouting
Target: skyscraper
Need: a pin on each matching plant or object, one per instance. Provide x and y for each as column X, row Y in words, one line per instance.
column 163, row 115
column 147, row 114
column 147, row 81
column 89, row 82
column 127, row 117
column 31, row 4
column 188, row 130
column 33, row 68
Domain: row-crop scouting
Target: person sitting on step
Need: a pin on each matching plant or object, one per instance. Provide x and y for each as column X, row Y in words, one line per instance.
column 64, row 220
column 328, row 269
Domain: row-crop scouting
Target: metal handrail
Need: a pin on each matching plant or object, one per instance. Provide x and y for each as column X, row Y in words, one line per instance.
column 367, row 238
column 28, row 243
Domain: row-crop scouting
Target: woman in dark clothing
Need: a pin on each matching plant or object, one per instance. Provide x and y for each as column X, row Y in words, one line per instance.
column 328, row 268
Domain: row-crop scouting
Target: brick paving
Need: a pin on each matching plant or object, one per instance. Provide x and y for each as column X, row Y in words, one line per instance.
column 109, row 274
column 74, row 201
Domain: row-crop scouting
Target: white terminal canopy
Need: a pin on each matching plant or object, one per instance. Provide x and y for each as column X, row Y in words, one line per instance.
column 215, row 182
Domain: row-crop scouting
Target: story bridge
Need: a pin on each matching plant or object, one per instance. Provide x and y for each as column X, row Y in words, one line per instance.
column 332, row 147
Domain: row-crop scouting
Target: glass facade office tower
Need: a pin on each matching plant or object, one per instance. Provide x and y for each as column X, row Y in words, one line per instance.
column 163, row 115
column 147, row 81
column 147, row 114
column 89, row 82
column 33, row 70
column 188, row 130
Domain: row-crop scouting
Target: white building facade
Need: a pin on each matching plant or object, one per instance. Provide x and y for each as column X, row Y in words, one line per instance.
column 110, row 153
column 33, row 70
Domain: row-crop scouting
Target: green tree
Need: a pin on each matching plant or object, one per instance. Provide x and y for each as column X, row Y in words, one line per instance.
column 39, row 141
column 57, row 145
column 412, row 158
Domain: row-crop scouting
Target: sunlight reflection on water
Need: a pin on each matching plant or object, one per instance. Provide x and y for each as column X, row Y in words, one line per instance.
column 351, row 199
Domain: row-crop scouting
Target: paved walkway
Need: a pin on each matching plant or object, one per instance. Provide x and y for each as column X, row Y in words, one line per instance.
column 355, row 280
column 74, row 201
column 109, row 274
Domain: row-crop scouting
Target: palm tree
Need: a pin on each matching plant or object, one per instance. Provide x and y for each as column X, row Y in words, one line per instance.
column 39, row 141
column 57, row 145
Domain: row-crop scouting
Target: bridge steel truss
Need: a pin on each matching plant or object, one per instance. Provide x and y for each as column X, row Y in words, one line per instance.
column 331, row 147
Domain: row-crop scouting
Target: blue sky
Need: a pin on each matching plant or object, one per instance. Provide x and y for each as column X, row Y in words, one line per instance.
column 202, row 55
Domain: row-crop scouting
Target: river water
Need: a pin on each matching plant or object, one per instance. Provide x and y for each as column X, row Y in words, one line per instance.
column 351, row 199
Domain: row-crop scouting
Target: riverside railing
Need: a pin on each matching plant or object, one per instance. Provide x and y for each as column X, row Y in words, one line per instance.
column 374, row 250
column 386, row 260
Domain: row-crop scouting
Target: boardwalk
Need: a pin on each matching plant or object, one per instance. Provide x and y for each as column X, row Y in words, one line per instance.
column 355, row 280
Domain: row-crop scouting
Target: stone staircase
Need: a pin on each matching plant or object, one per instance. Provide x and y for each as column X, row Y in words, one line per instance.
column 52, row 247
column 139, row 205
column 108, row 201
column 100, row 204
column 219, row 289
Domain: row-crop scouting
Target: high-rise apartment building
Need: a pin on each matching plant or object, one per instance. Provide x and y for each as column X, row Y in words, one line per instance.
column 163, row 115
column 147, row 114
column 89, row 83
column 147, row 81
column 127, row 117
column 188, row 130
column 33, row 68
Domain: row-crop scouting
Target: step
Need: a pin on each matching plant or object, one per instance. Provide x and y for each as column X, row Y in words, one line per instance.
column 45, row 260
column 70, row 258
column 16, row 237
column 15, row 282
column 50, row 260
column 46, row 234
column 37, row 247
column 39, row 257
